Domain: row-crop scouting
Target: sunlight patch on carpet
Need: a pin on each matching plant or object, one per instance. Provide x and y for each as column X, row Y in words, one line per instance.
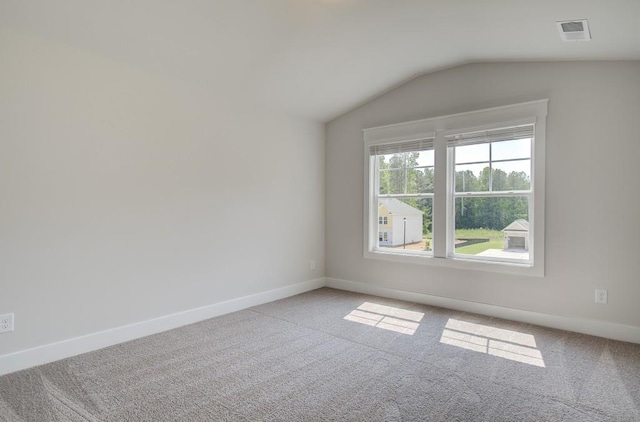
column 386, row 317
column 507, row 344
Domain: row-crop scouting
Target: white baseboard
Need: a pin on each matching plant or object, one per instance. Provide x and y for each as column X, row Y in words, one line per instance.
column 585, row 326
column 71, row 347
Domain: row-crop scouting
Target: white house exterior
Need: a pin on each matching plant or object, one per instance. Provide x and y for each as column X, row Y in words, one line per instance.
column 516, row 235
column 393, row 214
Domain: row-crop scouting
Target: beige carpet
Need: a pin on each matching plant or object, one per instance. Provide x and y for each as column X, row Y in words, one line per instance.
column 333, row 355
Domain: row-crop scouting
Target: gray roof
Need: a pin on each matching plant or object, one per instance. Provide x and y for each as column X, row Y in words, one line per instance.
column 397, row 207
column 517, row 226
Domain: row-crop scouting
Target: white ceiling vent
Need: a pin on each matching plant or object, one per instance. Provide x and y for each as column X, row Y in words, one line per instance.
column 577, row 30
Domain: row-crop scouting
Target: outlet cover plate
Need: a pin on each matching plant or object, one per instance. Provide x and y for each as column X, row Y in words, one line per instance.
column 601, row 296
column 6, row 323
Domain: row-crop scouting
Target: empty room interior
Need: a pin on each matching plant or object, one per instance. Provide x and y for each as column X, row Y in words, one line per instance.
column 362, row 210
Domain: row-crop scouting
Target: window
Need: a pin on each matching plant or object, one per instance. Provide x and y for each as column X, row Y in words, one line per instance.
column 465, row 190
column 491, row 193
column 403, row 195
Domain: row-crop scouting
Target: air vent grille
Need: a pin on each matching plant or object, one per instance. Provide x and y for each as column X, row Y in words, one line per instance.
column 572, row 27
column 576, row 30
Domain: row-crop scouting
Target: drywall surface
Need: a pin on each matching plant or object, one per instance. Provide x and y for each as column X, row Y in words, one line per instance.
column 125, row 196
column 592, row 217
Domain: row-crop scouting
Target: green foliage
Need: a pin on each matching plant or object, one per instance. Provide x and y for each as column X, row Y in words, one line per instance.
column 491, row 180
column 475, row 217
column 490, row 213
column 401, row 175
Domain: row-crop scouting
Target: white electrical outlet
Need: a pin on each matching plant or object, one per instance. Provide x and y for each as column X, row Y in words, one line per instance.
column 601, row 296
column 312, row 265
column 6, row 323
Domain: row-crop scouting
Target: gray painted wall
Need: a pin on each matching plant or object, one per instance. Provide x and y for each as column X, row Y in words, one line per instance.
column 125, row 196
column 592, row 221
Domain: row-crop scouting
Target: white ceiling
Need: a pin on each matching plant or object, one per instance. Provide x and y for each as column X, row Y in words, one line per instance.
column 320, row 58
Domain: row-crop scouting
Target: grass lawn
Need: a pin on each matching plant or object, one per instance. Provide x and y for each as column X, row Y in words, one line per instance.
column 480, row 247
column 496, row 240
column 492, row 235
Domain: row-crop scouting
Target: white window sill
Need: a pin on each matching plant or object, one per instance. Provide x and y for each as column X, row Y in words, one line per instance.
column 525, row 269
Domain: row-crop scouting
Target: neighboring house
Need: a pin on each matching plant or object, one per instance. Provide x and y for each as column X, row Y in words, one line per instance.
column 516, row 235
column 392, row 215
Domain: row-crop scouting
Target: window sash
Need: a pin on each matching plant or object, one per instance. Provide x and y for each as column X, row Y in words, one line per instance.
column 486, row 137
column 451, row 223
column 376, row 151
column 400, row 147
column 493, row 135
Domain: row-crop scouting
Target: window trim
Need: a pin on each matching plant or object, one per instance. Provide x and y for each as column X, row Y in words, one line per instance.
column 533, row 112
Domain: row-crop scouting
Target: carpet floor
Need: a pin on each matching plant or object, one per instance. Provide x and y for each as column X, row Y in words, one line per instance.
column 329, row 355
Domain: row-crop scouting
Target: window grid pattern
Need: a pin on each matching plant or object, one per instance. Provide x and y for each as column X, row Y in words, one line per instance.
column 477, row 174
column 490, row 173
column 404, row 174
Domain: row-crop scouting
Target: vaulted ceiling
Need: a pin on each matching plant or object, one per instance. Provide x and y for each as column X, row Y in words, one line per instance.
column 320, row 58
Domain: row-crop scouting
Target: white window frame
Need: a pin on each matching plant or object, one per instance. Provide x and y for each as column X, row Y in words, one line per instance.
column 533, row 112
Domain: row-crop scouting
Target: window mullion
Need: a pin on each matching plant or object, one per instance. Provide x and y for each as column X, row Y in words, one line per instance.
column 440, row 202
column 490, row 167
column 374, row 237
column 406, row 195
column 406, row 173
column 494, row 194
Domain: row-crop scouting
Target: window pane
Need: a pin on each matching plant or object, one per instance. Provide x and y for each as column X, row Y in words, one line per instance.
column 415, row 181
column 472, row 153
column 512, row 175
column 392, row 181
column 492, row 227
column 472, row 178
column 425, row 158
column 423, row 182
column 406, row 180
column 395, row 161
column 406, row 224
column 509, row 150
